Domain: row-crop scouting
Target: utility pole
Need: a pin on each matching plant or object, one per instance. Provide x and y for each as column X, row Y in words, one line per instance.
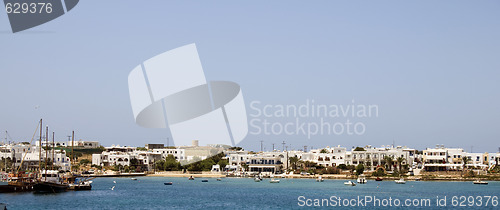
column 261, row 145
column 167, row 142
column 283, row 146
column 273, row 146
column 305, row 148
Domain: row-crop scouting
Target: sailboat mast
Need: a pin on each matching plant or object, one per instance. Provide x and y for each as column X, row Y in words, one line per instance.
column 46, row 150
column 72, row 145
column 40, row 150
column 53, row 150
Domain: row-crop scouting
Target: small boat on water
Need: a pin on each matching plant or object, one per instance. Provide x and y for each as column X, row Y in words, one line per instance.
column 400, row 181
column 219, row 179
column 418, row 179
column 168, row 183
column 204, row 180
column 320, row 179
column 191, row 178
column 256, row 179
column 274, row 180
column 133, row 178
column 350, row 183
column 361, row 179
column 3, row 206
column 378, row 179
column 480, row 182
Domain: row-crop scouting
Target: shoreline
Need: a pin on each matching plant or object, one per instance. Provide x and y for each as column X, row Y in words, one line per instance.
column 330, row 176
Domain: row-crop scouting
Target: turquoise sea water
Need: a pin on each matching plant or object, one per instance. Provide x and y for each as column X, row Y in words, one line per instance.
column 244, row 193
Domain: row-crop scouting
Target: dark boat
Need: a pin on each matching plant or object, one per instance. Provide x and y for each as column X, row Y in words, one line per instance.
column 50, row 187
column 20, row 182
column 378, row 179
column 168, row 183
column 191, row 178
column 205, row 180
column 50, row 182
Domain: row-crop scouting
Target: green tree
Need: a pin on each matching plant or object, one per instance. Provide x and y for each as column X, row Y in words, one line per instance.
column 359, row 149
column 388, row 162
column 293, row 162
column 360, row 168
column 465, row 160
column 324, row 151
column 223, row 163
column 171, row 164
column 400, row 160
column 84, row 161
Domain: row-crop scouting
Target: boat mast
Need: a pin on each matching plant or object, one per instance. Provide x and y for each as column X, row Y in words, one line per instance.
column 40, row 151
column 46, row 149
column 53, row 150
column 72, row 145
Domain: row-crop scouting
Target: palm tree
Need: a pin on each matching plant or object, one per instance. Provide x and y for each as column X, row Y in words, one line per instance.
column 400, row 160
column 293, row 162
column 465, row 160
column 388, row 161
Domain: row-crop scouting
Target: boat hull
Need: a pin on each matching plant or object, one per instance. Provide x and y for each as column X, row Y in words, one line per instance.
column 15, row 188
column 47, row 187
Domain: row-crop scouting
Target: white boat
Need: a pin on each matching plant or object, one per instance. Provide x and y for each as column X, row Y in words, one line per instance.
column 274, row 181
column 350, row 183
column 256, row 179
column 3, row 206
column 320, row 179
column 400, row 181
column 361, row 179
column 133, row 179
column 480, row 182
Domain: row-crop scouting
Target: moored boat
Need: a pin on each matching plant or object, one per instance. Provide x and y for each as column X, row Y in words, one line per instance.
column 274, row 181
column 400, row 181
column 320, row 179
column 350, row 183
column 191, row 178
column 361, row 179
column 50, row 182
column 378, row 179
column 480, row 182
column 168, row 183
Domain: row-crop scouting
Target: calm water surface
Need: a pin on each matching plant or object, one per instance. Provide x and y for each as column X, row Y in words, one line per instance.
column 231, row 193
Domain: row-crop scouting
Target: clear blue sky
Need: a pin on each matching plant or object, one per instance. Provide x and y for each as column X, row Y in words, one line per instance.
column 433, row 67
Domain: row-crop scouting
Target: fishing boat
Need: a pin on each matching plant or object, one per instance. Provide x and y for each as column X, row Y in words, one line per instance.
column 79, row 184
column 274, row 180
column 361, row 179
column 480, row 182
column 191, row 178
column 133, row 179
column 350, row 183
column 400, row 181
column 320, row 179
column 204, row 180
column 18, row 182
column 219, row 179
column 378, row 179
column 50, row 182
column 168, row 183
column 256, row 179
